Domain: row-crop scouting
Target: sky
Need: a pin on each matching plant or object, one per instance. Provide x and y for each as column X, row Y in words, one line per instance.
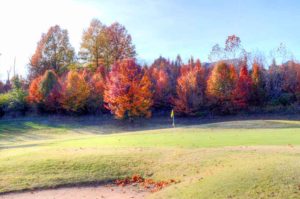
column 157, row 27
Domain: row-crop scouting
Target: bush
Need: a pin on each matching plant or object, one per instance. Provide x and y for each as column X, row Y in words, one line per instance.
column 18, row 101
column 285, row 99
column 13, row 102
column 4, row 102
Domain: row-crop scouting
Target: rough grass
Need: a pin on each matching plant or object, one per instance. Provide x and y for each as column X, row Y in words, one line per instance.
column 210, row 160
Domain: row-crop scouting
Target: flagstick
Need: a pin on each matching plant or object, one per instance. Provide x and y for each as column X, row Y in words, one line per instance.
column 174, row 121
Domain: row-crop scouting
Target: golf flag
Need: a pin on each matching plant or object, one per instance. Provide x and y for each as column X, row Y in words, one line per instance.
column 173, row 117
column 172, row 113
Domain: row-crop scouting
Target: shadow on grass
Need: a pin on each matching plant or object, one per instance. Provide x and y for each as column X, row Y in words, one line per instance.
column 38, row 128
column 106, row 124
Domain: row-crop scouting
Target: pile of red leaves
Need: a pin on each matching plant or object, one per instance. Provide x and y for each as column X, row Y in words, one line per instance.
column 147, row 184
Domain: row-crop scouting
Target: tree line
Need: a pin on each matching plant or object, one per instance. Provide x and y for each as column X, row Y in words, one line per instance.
column 106, row 77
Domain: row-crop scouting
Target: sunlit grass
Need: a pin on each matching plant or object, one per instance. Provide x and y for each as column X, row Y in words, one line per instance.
column 210, row 161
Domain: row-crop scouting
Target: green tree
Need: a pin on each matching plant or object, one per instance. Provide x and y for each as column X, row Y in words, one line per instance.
column 14, row 101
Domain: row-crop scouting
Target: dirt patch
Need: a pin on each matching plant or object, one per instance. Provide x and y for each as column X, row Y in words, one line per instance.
column 95, row 192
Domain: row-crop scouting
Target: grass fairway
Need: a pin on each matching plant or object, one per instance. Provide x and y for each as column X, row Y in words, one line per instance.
column 239, row 159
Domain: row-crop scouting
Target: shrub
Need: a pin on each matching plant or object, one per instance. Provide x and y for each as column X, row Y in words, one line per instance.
column 13, row 102
column 286, row 99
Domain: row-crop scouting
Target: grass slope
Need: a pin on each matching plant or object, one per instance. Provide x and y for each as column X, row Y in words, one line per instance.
column 252, row 159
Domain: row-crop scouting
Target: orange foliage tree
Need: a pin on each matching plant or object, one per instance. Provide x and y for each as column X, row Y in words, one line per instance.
column 75, row 92
column 128, row 90
column 190, row 90
column 259, row 85
column 220, row 86
column 34, row 93
column 44, row 91
column 243, row 90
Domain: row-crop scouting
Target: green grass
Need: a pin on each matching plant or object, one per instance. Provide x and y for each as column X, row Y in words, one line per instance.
column 191, row 138
column 240, row 159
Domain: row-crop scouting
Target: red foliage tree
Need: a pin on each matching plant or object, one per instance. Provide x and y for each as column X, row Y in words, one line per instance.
column 96, row 83
column 163, row 76
column 128, row 90
column 190, row 90
column 243, row 90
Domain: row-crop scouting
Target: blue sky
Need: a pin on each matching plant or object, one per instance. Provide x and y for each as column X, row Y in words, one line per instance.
column 158, row 27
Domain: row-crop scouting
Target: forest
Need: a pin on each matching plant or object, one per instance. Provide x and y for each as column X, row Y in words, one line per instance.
column 105, row 77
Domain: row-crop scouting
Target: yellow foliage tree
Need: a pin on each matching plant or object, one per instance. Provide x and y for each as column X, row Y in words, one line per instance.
column 75, row 92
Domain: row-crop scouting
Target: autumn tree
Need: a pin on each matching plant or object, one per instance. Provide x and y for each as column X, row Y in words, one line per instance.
column 243, row 90
column 297, row 89
column 281, row 54
column 216, row 54
column 258, row 95
column 178, row 61
column 232, row 46
column 34, row 93
column 91, row 49
column 220, row 86
column 231, row 51
column 163, row 75
column 75, row 92
column 106, row 44
column 53, row 52
column 275, row 81
column 50, row 88
column 44, row 92
column 118, row 44
column 96, row 82
column 162, row 87
column 290, row 72
column 128, row 91
column 190, row 90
